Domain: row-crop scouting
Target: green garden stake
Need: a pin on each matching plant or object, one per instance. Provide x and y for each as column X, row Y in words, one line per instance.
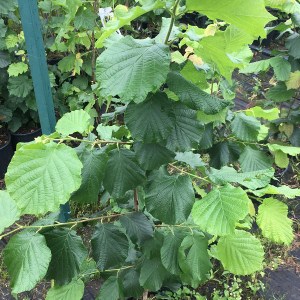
column 39, row 71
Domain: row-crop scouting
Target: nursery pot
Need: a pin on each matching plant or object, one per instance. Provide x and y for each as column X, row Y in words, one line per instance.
column 24, row 137
column 6, row 153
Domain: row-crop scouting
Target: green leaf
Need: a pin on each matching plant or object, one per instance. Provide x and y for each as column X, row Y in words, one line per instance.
column 280, row 93
column 170, row 250
column 250, row 16
column 192, row 96
column 3, row 30
column 149, row 121
column 293, row 81
column 41, row 176
column 72, row 291
column 282, row 68
column 130, row 15
column 7, row 6
column 74, row 121
column 16, row 69
column 245, row 128
column 138, row 227
column 110, row 289
column 131, row 284
column 152, row 274
column 4, row 59
column 122, row 173
column 220, row 210
column 67, row 63
column 106, row 132
column 190, row 158
column 257, row 66
column 132, row 68
column 252, row 180
column 152, row 156
column 20, row 86
column 267, row 114
column 194, row 259
column 68, row 253
column 186, row 131
column 281, row 153
column 288, row 6
column 273, row 221
column 85, row 19
column 254, row 160
column 26, row 257
column 94, row 165
column 170, row 198
column 109, row 246
column 11, row 41
column 284, row 190
column 293, row 44
column 9, row 212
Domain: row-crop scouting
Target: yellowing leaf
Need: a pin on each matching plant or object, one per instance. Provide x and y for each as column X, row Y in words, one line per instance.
column 294, row 81
column 16, row 69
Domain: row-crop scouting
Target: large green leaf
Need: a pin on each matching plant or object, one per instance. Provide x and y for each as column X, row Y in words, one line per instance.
column 26, row 257
column 7, row 6
column 254, row 160
column 292, row 44
column 20, row 86
column 170, row 250
column 240, row 253
column 132, row 68
column 245, row 128
column 190, row 158
column 186, row 131
column 126, row 17
column 74, row 121
column 149, row 121
column 94, row 165
column 170, row 198
column 72, row 291
column 152, row 156
column 9, row 212
column 267, row 114
column 282, row 68
column 131, row 284
column 192, row 96
column 194, row 259
column 220, row 210
column 138, row 227
column 273, row 221
column 284, row 190
column 153, row 274
column 250, row 16
column 110, row 289
column 41, row 176
column 109, row 246
column 68, row 253
column 122, row 173
column 288, row 6
column 280, row 93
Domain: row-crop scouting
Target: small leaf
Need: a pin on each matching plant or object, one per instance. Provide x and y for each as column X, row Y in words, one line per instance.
column 110, row 289
column 20, row 86
column 131, row 284
column 122, row 173
column 9, row 212
column 280, row 93
column 284, row 190
column 68, row 253
column 282, row 68
column 294, row 81
column 16, row 69
column 41, row 176
column 220, row 210
column 245, row 128
column 240, row 253
column 170, row 198
column 72, row 291
column 190, row 158
column 267, row 114
column 26, row 257
column 152, row 274
column 74, row 121
column 109, row 246
column 132, row 68
column 273, row 221
column 194, row 259
column 293, row 44
column 67, row 63
column 138, row 227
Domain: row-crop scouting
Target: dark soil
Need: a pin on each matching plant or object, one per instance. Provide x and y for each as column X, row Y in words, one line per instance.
column 26, row 130
column 4, row 137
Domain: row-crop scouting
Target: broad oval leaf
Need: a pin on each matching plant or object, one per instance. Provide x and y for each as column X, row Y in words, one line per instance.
column 68, row 253
column 220, row 210
column 9, row 212
column 122, row 173
column 273, row 221
column 74, row 121
column 27, row 258
column 149, row 121
column 131, row 284
column 170, row 198
column 110, row 289
column 109, row 246
column 41, row 176
column 72, row 291
column 132, row 68
column 240, row 253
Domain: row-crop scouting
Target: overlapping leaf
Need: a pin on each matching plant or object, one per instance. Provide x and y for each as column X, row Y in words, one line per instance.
column 245, row 128
column 9, row 212
column 72, row 291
